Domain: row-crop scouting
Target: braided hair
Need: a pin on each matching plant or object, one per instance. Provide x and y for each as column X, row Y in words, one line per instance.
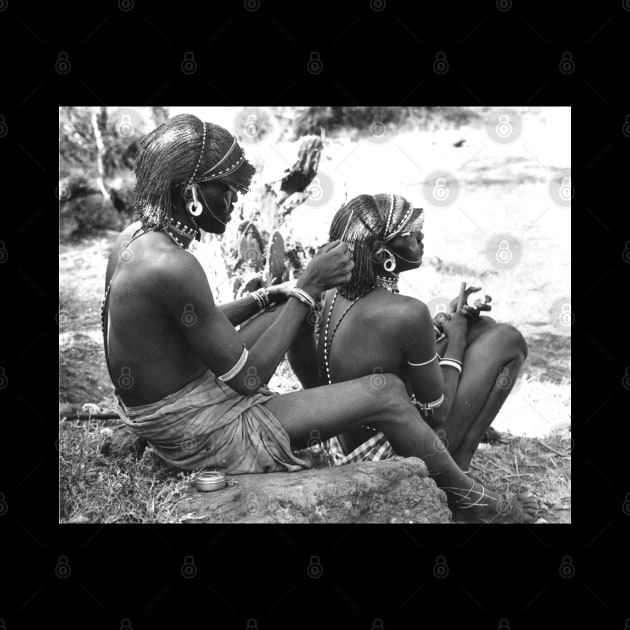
column 182, row 151
column 374, row 221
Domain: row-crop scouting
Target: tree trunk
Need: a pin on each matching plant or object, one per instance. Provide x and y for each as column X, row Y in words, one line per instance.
column 99, row 123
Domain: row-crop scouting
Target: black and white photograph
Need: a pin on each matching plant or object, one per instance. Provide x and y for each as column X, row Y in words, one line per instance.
column 315, row 314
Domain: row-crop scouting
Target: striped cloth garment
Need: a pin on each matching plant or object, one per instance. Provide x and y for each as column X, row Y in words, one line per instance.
column 206, row 424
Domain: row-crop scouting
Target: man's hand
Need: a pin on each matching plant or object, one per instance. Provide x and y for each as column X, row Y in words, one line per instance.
column 279, row 293
column 470, row 312
column 331, row 266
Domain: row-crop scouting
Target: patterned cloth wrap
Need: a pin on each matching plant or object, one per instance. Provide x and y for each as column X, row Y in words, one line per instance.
column 375, row 449
column 206, row 424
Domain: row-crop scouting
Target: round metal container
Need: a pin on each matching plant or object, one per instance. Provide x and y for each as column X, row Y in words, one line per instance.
column 210, row 480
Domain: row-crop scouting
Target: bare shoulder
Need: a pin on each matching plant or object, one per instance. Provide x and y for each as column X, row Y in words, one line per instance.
column 177, row 273
column 412, row 312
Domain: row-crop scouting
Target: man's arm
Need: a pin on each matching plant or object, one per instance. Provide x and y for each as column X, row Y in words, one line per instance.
column 240, row 310
column 187, row 299
column 428, row 380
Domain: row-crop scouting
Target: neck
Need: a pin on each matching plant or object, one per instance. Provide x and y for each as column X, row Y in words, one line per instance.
column 387, row 280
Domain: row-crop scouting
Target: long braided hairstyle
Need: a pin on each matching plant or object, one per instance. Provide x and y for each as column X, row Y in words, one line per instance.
column 182, row 151
column 374, row 221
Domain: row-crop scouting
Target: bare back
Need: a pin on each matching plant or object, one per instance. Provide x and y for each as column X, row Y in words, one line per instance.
column 148, row 355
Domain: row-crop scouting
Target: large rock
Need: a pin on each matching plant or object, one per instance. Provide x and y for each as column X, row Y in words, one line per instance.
column 391, row 491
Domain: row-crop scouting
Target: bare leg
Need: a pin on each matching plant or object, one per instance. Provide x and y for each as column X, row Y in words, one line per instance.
column 302, row 352
column 333, row 409
column 491, row 366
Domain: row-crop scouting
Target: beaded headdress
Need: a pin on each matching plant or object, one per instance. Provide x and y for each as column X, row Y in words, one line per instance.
column 181, row 152
column 370, row 223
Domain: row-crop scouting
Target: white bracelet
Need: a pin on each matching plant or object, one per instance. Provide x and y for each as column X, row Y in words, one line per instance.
column 238, row 366
column 452, row 363
column 425, row 362
column 302, row 296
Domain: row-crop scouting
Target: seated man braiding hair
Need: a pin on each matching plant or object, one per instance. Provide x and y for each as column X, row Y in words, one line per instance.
column 367, row 328
column 185, row 378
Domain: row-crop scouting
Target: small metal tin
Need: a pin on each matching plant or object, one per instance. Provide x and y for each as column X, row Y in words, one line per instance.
column 210, row 480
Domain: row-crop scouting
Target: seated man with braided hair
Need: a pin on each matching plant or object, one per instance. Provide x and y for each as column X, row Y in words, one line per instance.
column 367, row 328
column 191, row 384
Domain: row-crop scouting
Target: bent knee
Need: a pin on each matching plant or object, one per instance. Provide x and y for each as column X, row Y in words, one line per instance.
column 511, row 339
column 388, row 390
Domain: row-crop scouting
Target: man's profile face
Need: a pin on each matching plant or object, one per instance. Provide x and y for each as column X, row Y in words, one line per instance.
column 408, row 248
column 221, row 199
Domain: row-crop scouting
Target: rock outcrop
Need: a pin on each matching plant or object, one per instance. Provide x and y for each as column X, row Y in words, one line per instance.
column 392, row 491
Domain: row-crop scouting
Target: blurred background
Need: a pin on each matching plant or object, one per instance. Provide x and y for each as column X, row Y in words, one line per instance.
column 494, row 184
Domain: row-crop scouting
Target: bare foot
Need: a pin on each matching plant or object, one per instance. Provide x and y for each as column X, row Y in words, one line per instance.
column 480, row 504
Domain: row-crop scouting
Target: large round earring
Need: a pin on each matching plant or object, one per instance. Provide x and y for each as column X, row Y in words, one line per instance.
column 390, row 263
column 193, row 207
